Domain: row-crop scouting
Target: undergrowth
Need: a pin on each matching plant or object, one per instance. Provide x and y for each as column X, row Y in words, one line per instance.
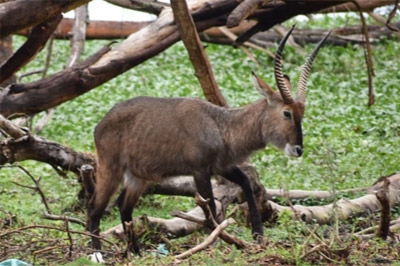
column 347, row 145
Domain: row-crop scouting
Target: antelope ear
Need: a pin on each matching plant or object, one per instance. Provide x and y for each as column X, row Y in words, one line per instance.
column 262, row 87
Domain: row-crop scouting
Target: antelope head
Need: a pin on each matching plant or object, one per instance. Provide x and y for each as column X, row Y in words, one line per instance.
column 284, row 128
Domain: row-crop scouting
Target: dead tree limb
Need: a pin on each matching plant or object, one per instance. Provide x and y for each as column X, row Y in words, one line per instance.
column 67, row 84
column 344, row 208
column 25, row 146
column 72, row 82
column 185, row 186
column 226, row 194
column 152, row 7
column 78, row 35
column 34, row 44
column 197, row 55
column 274, row 13
column 244, row 10
column 366, row 6
column 384, row 199
column 21, row 14
column 208, row 241
column 368, row 57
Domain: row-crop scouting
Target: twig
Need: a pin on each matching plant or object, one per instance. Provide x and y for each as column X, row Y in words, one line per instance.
column 391, row 16
column 36, row 187
column 33, row 72
column 71, row 242
column 19, row 230
column 63, row 218
column 209, row 222
column 208, row 241
column 33, row 45
column 368, row 57
column 11, row 129
column 233, row 37
column 191, row 218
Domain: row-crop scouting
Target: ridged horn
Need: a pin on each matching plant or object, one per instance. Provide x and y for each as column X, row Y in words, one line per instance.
column 279, row 78
column 305, row 71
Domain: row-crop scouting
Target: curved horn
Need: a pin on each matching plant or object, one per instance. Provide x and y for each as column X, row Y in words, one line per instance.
column 280, row 81
column 305, row 71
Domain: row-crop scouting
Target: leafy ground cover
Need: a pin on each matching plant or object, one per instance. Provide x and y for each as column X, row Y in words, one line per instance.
column 347, row 145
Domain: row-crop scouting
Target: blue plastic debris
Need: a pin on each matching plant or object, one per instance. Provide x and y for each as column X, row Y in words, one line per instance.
column 14, row 262
column 161, row 251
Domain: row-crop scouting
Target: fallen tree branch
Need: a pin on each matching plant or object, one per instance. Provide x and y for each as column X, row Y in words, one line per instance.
column 25, row 146
column 63, row 218
column 185, row 186
column 344, row 208
column 208, row 241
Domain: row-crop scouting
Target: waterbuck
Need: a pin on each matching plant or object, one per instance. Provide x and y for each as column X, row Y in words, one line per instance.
column 146, row 139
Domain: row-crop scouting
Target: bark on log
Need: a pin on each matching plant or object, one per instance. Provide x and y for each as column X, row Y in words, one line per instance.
column 366, row 6
column 6, row 50
column 152, row 7
column 343, row 209
column 96, row 29
column 21, row 14
column 185, row 186
column 25, row 146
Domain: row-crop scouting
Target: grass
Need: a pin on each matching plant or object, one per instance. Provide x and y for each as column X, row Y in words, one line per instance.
column 347, row 145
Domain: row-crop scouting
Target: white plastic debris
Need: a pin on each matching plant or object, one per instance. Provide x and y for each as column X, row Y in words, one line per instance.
column 96, row 257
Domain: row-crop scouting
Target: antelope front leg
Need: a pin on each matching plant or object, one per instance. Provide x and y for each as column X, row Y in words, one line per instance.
column 237, row 176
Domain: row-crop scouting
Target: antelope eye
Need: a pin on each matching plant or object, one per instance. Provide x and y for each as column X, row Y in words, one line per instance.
column 287, row 114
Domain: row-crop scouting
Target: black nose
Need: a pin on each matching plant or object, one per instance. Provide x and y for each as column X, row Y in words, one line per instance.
column 299, row 150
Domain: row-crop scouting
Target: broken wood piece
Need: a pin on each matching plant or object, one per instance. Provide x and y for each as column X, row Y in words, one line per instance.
column 208, row 241
column 383, row 197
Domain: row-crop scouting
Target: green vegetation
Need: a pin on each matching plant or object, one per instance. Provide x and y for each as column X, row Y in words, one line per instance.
column 347, row 145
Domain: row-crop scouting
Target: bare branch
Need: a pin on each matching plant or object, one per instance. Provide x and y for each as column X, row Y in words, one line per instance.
column 152, row 7
column 63, row 218
column 78, row 35
column 208, row 241
column 35, row 43
column 26, row 146
column 368, row 57
column 243, row 10
column 196, row 52
column 37, row 187
column 18, row 15
column 391, row 16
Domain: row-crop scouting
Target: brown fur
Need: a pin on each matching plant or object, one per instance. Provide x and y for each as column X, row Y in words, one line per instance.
column 145, row 139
